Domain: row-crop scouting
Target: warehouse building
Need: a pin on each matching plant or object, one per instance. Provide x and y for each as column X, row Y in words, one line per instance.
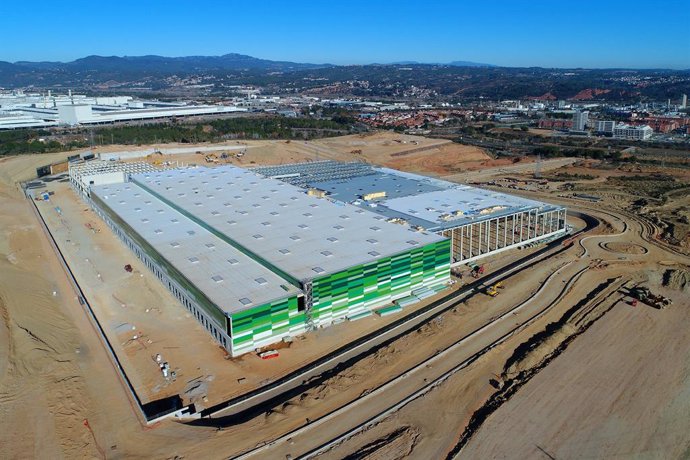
column 257, row 259
column 478, row 222
column 84, row 174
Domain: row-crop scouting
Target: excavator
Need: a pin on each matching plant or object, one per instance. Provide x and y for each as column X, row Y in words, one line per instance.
column 493, row 289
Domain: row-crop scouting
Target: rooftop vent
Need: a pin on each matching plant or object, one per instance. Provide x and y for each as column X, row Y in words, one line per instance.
column 233, row 261
column 217, row 278
column 194, row 260
column 261, row 280
column 318, row 269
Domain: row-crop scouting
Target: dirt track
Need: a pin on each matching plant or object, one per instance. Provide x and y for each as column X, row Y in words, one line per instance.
column 54, row 373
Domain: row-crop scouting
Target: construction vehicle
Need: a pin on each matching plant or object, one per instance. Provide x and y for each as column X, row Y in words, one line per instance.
column 643, row 294
column 476, row 270
column 493, row 289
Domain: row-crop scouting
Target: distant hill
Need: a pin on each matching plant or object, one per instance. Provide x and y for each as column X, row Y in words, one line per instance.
column 457, row 80
column 469, row 64
column 155, row 63
column 452, row 63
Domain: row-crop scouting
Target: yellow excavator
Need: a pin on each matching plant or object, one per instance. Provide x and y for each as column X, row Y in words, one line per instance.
column 493, row 289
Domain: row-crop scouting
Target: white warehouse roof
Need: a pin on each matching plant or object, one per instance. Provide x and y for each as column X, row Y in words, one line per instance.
column 303, row 236
column 230, row 279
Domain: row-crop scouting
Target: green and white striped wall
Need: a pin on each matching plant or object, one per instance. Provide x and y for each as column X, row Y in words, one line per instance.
column 364, row 287
column 265, row 324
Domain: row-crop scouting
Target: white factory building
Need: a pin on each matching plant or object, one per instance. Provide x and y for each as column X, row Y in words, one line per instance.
column 20, row 110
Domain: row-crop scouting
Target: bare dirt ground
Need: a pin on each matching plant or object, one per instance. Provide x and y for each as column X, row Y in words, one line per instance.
column 405, row 152
column 136, row 304
column 631, row 399
column 400, row 151
column 54, row 373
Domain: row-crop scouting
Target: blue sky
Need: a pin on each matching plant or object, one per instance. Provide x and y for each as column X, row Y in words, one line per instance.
column 604, row 33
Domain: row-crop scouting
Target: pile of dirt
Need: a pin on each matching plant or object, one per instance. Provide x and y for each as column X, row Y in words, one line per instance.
column 677, row 279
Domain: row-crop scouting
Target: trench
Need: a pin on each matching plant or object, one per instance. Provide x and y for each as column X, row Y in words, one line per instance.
column 512, row 385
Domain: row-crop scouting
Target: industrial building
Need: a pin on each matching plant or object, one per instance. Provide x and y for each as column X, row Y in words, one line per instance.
column 256, row 259
column 19, row 110
column 478, row 222
column 85, row 174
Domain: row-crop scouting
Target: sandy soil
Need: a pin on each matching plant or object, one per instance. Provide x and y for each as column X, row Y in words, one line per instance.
column 401, row 151
column 632, row 397
column 409, row 153
column 54, row 373
column 441, row 415
column 44, row 398
column 137, row 304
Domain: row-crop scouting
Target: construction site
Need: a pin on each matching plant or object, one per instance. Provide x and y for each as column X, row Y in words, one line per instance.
column 326, row 299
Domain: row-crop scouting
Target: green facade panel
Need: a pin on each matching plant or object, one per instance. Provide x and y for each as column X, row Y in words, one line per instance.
column 380, row 282
column 264, row 324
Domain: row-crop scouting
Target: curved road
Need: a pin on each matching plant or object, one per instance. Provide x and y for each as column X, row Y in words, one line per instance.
column 258, row 401
column 423, row 377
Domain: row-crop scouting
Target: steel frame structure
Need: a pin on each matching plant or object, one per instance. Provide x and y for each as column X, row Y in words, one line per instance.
column 477, row 239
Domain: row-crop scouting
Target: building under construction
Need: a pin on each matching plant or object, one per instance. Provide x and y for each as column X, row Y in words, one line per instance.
column 478, row 222
column 257, row 259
